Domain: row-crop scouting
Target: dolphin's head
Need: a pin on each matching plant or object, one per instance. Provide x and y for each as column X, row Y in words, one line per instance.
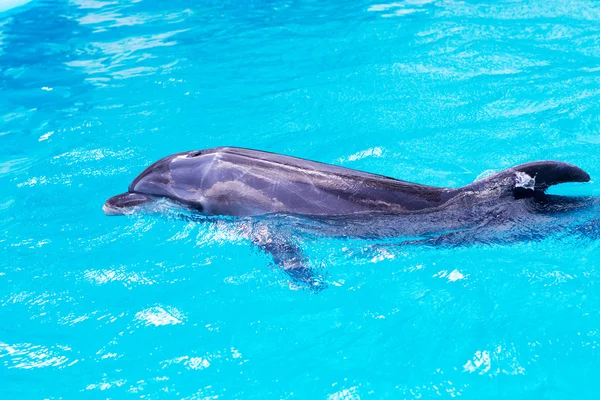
column 173, row 178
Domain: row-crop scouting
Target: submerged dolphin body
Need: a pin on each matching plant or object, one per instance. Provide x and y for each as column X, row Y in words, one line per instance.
column 342, row 202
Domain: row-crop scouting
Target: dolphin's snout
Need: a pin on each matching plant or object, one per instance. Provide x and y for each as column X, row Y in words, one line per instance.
column 123, row 203
column 108, row 210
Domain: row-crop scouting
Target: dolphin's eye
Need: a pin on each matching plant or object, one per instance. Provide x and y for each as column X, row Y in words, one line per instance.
column 194, row 153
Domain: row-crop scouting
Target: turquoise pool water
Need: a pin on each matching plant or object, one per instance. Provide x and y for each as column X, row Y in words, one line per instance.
column 436, row 92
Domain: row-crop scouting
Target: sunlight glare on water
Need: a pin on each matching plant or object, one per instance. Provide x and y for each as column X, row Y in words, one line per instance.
column 439, row 92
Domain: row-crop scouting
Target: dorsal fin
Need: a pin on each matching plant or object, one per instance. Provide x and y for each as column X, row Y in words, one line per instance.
column 548, row 173
column 531, row 179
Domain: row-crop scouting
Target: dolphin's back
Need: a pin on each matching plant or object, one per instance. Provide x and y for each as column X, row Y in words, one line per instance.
column 237, row 181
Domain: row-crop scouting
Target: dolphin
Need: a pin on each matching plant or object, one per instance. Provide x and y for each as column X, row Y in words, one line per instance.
column 330, row 200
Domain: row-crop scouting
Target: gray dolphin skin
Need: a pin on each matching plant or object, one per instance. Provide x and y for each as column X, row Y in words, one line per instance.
column 237, row 182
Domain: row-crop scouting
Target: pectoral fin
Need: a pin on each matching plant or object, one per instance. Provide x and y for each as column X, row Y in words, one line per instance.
column 289, row 256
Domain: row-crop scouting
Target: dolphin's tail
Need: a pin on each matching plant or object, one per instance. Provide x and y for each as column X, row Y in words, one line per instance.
column 527, row 180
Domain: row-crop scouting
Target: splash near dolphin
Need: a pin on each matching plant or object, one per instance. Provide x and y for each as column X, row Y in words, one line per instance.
column 342, row 202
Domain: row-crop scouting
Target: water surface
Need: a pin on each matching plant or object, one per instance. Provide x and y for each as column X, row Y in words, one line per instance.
column 436, row 92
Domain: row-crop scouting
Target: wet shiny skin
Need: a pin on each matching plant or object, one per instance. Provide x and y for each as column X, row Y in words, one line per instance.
column 244, row 182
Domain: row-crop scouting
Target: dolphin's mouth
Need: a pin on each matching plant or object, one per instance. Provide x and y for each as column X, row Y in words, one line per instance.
column 125, row 203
